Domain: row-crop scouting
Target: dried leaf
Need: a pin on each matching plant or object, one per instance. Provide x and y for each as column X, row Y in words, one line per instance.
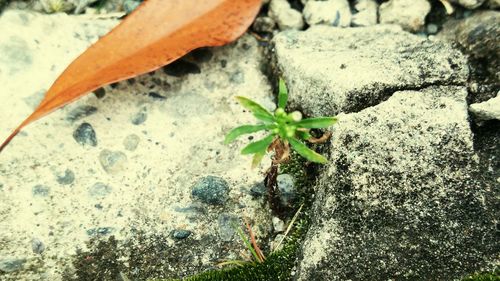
column 155, row 34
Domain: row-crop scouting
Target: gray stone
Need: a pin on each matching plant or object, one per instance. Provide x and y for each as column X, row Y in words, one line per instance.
column 37, row 246
column 100, row 190
column 67, row 178
column 278, row 225
column 131, row 142
column 40, row 190
column 259, row 189
column 85, row 135
column 367, row 13
column 10, row 264
column 330, row 12
column 140, row 117
column 355, row 68
column 409, row 14
column 211, row 190
column 80, row 112
column 180, row 234
column 284, row 15
column 227, row 224
column 469, row 4
column 398, row 197
column 100, row 231
column 487, row 110
column 264, row 24
column 287, row 189
column 112, row 161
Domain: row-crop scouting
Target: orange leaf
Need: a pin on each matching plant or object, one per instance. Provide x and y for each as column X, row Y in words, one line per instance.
column 157, row 33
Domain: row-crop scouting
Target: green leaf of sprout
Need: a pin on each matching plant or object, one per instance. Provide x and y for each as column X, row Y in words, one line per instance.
column 258, row 111
column 241, row 130
column 257, row 158
column 307, row 153
column 283, row 94
column 303, row 135
column 315, row 123
column 258, row 146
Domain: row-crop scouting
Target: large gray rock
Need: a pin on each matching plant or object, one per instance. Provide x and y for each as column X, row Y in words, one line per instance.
column 331, row 70
column 398, row 199
column 409, row 14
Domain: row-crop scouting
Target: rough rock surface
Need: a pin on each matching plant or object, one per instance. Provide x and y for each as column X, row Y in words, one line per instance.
column 399, row 199
column 131, row 190
column 409, row 14
column 487, row 110
column 358, row 67
column 469, row 4
column 284, row 15
column 367, row 13
column 330, row 12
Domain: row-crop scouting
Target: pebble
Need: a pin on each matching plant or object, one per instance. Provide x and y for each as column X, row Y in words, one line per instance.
column 67, row 178
column 211, row 190
column 286, row 186
column 100, row 190
column 409, row 14
column 112, row 161
column 40, row 190
column 140, row 117
column 258, row 190
column 284, row 15
column 80, row 112
column 264, row 24
column 10, row 264
column 131, row 142
column 100, row 231
column 330, row 12
column 37, row 246
column 367, row 13
column 278, row 225
column 180, row 234
column 432, row 28
column 85, row 135
column 227, row 222
column 237, row 78
column 100, row 93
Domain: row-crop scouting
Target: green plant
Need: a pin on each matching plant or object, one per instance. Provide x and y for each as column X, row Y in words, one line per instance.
column 285, row 129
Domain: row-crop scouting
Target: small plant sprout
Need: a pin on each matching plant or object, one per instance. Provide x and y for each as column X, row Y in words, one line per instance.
column 285, row 130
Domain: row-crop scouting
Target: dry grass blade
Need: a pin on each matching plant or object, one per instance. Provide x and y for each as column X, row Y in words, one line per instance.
column 290, row 225
column 261, row 256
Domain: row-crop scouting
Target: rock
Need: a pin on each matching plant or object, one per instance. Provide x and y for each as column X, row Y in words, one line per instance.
column 284, row 15
column 330, row 12
column 112, row 161
column 286, row 187
column 85, row 135
column 40, row 190
column 409, row 14
column 37, row 246
column 227, row 224
column 10, row 264
column 367, row 13
column 469, row 4
column 358, row 67
column 264, row 24
column 399, row 185
column 259, row 189
column 479, row 37
column 100, row 190
column 278, row 225
column 180, row 234
column 131, row 142
column 140, row 117
column 80, row 112
column 487, row 110
column 494, row 4
column 100, row 231
column 67, row 178
column 432, row 28
column 211, row 190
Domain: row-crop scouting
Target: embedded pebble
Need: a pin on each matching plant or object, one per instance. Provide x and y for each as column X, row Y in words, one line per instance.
column 99, row 231
column 140, row 117
column 112, row 161
column 180, row 234
column 227, row 224
column 37, row 246
column 409, row 14
column 100, row 190
column 80, row 112
column 286, row 186
column 67, row 178
column 211, row 190
column 264, row 24
column 284, row 15
column 11, row 264
column 367, row 13
column 258, row 190
column 85, row 135
column 278, row 225
column 40, row 190
column 131, row 142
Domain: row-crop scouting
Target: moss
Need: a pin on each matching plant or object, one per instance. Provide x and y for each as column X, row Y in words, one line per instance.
column 484, row 276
